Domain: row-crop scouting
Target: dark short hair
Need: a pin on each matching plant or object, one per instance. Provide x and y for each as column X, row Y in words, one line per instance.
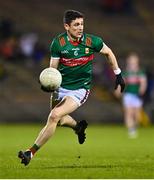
column 71, row 15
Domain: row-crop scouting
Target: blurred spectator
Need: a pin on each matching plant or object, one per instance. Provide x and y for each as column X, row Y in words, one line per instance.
column 8, row 48
column 8, row 41
column 136, row 84
column 39, row 53
column 27, row 44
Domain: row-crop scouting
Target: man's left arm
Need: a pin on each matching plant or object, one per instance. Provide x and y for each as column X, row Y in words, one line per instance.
column 143, row 85
column 114, row 65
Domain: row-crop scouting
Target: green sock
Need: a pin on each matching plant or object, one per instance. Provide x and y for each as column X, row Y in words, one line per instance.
column 34, row 148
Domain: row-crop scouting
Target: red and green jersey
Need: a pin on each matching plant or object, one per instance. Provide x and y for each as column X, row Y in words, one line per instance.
column 75, row 59
column 133, row 80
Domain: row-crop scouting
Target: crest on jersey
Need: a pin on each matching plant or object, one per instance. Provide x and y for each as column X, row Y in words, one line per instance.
column 75, row 53
column 86, row 50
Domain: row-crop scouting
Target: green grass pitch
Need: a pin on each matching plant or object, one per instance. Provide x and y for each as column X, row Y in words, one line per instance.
column 107, row 153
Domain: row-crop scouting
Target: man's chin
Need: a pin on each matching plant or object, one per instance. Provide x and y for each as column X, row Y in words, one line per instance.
column 80, row 35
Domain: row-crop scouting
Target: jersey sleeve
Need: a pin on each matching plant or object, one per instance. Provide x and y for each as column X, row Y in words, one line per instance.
column 97, row 43
column 54, row 49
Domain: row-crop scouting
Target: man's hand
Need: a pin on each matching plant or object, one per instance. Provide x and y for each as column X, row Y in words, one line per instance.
column 120, row 81
column 45, row 89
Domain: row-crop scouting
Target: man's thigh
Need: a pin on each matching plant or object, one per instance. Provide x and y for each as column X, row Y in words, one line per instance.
column 66, row 106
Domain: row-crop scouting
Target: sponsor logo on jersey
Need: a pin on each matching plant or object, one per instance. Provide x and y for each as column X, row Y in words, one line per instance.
column 76, row 49
column 78, row 61
column 64, row 52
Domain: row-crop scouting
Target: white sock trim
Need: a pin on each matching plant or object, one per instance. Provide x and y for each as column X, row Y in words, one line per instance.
column 117, row 71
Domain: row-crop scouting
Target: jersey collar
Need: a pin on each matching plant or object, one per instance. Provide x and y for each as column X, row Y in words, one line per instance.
column 81, row 39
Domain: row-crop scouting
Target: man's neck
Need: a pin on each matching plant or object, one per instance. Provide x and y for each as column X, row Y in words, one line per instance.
column 71, row 38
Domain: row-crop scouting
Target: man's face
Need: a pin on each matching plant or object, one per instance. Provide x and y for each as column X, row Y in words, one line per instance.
column 75, row 29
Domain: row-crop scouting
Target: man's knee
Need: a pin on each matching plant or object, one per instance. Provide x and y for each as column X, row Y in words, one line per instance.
column 54, row 116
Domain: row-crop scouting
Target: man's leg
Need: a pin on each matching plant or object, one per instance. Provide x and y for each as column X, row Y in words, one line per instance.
column 130, row 122
column 67, row 120
column 78, row 127
column 66, row 106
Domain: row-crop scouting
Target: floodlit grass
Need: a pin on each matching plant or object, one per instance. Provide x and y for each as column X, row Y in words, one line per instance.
column 107, row 153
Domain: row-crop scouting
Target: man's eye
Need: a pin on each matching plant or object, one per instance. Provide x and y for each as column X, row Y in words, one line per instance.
column 77, row 24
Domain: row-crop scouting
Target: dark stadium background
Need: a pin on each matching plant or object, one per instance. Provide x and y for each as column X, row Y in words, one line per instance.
column 26, row 30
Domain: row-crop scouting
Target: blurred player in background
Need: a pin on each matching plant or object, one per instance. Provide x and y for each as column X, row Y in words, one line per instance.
column 136, row 84
column 72, row 53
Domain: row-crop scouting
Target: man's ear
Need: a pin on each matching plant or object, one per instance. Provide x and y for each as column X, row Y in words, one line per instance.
column 66, row 26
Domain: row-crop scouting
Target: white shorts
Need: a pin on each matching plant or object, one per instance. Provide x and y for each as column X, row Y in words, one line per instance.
column 131, row 100
column 80, row 95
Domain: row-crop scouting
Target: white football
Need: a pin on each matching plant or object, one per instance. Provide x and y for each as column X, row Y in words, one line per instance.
column 50, row 78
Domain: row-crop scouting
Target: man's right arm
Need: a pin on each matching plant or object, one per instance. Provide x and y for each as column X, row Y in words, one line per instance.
column 54, row 62
column 55, row 53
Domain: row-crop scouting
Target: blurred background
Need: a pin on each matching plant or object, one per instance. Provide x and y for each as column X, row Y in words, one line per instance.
column 27, row 28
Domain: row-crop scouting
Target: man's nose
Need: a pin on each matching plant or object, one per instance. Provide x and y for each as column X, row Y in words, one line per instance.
column 81, row 27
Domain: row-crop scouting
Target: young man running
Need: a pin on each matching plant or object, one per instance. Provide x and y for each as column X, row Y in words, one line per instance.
column 72, row 53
